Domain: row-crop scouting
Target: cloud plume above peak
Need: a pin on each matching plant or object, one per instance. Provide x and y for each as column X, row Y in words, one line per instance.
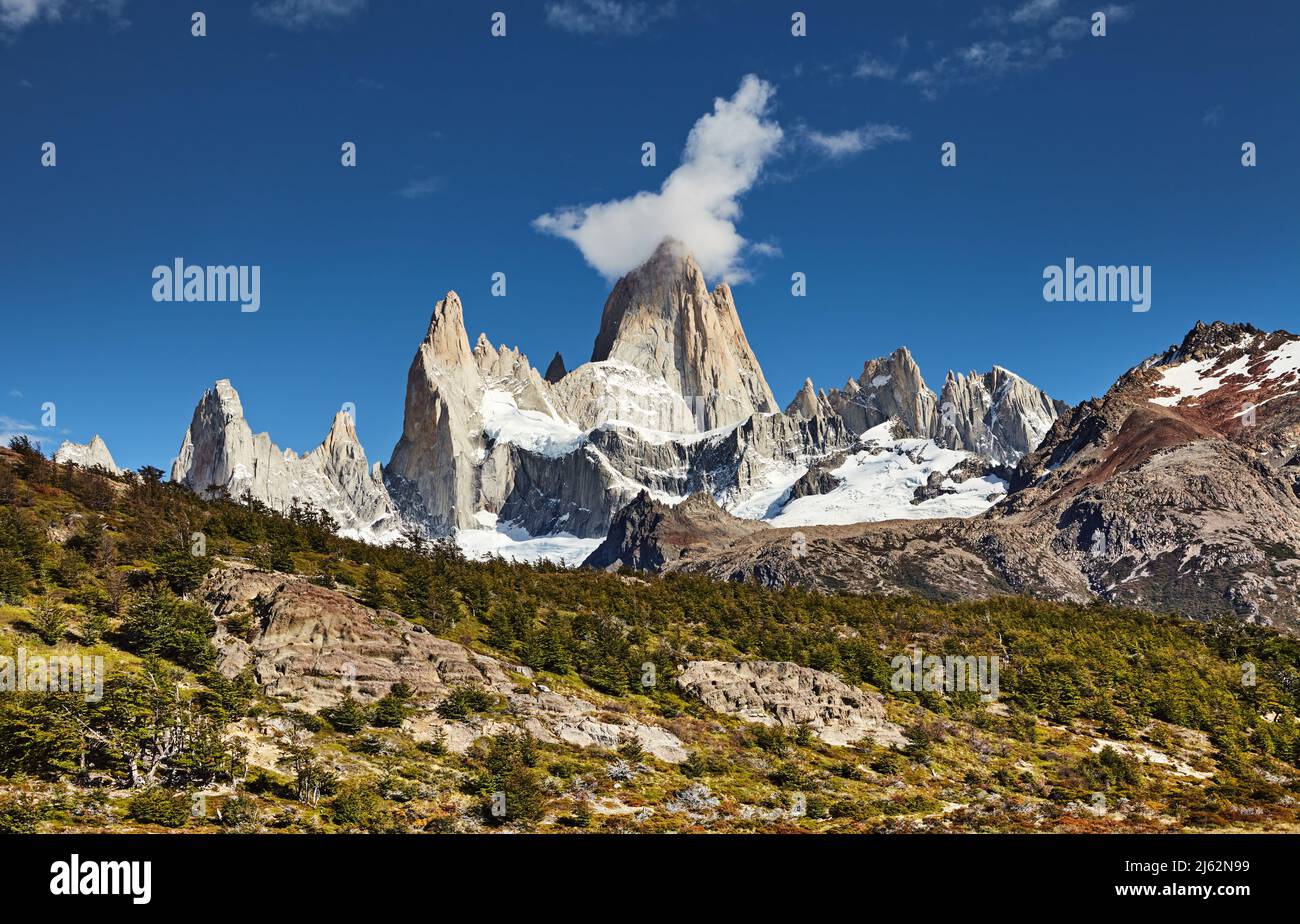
column 699, row 202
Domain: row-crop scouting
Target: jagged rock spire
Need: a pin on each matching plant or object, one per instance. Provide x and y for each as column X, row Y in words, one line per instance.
column 662, row 319
column 556, row 371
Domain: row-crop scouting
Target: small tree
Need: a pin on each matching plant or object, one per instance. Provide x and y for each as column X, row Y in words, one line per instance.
column 15, row 577
column 51, row 621
column 373, row 594
column 94, row 625
column 349, row 717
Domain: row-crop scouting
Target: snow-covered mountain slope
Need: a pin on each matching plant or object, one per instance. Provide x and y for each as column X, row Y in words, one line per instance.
column 673, row 403
column 513, row 544
column 885, row 478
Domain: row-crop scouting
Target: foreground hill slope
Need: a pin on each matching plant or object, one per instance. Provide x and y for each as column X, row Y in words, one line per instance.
column 263, row 674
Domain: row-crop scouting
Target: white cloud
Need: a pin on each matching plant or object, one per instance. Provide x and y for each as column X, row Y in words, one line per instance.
column 421, row 189
column 1043, row 27
column 1068, row 28
column 839, row 145
column 302, row 14
column 18, row 14
column 874, row 67
column 607, row 17
column 1035, row 11
column 15, row 14
column 698, row 203
column 984, row 60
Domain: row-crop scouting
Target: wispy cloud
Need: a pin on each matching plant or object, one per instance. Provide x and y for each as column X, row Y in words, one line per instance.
column 305, row 14
column 1213, row 116
column 870, row 66
column 1035, row 11
column 11, row 427
column 421, row 188
column 1028, row 37
column 699, row 202
column 840, row 145
column 16, row 15
column 985, row 60
column 607, row 17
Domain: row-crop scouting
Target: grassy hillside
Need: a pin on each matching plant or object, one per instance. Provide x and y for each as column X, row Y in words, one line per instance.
column 1107, row 719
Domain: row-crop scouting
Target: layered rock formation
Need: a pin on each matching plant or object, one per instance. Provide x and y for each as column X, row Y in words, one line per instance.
column 220, row 453
column 313, row 647
column 674, row 402
column 786, row 694
column 94, row 454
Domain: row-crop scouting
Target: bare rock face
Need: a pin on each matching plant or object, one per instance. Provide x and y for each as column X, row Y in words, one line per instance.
column 556, row 371
column 809, row 403
column 647, row 534
column 997, row 415
column 221, row 452
column 486, row 435
column 432, row 473
column 890, row 387
column 662, row 319
column 786, row 694
column 94, row 454
column 313, row 647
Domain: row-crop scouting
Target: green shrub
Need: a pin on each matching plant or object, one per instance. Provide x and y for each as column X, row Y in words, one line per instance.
column 159, row 806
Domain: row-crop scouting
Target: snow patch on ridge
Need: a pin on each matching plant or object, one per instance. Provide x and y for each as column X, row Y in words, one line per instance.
column 512, row 543
column 504, row 422
column 879, row 482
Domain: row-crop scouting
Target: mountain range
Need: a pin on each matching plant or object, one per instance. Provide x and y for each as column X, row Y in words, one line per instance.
column 1179, row 489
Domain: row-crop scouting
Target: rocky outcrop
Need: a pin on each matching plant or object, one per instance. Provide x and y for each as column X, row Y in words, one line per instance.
column 432, row 473
column 786, row 694
column 661, row 318
column 809, row 403
column 997, row 415
column 220, row 453
column 313, row 647
column 94, row 454
column 890, row 387
column 647, row 534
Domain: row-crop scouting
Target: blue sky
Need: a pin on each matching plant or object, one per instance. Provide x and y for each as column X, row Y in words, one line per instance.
column 225, row 149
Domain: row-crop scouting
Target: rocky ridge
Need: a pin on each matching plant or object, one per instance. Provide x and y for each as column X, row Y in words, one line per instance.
column 1178, row 490
column 94, row 454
